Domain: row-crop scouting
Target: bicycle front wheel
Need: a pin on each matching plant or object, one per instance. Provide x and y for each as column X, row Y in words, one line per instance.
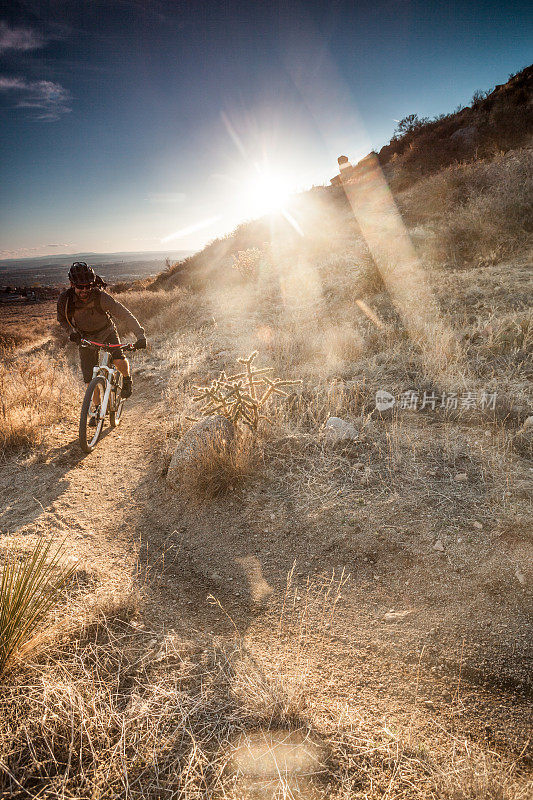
column 91, row 412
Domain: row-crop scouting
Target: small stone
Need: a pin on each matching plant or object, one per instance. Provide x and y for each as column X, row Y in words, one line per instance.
column 429, row 704
column 459, row 540
column 521, row 578
column 478, row 525
column 338, row 430
column 461, row 477
column 528, row 423
column 439, row 546
column 396, row 616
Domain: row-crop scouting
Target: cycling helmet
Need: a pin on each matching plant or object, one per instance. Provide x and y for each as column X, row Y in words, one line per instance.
column 81, row 274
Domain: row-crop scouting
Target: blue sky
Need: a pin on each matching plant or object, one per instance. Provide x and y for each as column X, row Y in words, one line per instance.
column 150, row 124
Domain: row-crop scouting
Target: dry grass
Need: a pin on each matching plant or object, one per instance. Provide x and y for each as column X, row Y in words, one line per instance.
column 125, row 712
column 36, row 392
column 475, row 213
column 165, row 312
column 23, row 325
column 215, row 470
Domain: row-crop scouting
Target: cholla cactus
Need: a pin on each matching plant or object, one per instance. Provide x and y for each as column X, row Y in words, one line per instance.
column 246, row 262
column 237, row 398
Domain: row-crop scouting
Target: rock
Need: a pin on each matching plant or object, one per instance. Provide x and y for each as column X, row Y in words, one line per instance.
column 211, row 432
column 528, row 423
column 338, row 430
column 461, row 477
column 366, row 477
column 396, row 616
column 439, row 546
column 478, row 525
column 465, row 135
column 520, row 577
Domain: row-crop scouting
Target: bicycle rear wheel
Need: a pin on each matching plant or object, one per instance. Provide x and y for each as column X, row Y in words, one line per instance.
column 89, row 435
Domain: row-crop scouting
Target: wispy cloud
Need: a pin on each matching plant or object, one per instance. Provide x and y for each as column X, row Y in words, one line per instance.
column 49, row 100
column 58, row 245
column 21, row 39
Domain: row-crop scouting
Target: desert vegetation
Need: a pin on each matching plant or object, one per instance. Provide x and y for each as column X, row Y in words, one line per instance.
column 36, row 392
column 133, row 712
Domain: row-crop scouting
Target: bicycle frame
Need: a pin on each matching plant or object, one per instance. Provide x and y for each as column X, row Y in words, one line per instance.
column 108, row 373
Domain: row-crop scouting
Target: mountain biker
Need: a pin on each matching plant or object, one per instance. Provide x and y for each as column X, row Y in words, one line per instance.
column 87, row 312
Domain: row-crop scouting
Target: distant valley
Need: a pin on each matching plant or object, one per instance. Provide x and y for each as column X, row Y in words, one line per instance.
column 113, row 267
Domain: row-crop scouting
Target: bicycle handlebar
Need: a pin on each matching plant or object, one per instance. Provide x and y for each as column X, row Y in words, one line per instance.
column 109, row 347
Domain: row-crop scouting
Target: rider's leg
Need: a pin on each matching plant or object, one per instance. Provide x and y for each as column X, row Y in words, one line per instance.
column 88, row 360
column 123, row 366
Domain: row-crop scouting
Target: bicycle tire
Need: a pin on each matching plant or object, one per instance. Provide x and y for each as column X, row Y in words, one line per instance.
column 115, row 411
column 86, row 444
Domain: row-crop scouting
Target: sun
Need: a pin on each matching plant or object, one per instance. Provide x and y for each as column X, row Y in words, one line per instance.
column 266, row 192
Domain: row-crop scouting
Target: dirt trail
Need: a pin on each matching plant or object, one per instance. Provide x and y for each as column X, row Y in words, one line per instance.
column 85, row 499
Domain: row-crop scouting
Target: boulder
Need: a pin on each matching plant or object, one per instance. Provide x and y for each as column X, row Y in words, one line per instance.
column 211, row 432
column 338, row 430
column 466, row 135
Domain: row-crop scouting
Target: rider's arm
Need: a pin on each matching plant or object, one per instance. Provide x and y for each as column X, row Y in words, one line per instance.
column 120, row 312
column 61, row 316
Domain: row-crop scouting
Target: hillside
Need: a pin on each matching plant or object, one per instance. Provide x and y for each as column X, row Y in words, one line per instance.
column 301, row 616
column 495, row 122
column 461, row 176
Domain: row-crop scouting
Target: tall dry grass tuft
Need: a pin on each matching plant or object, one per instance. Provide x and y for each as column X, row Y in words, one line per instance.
column 216, row 470
column 35, row 392
column 30, row 586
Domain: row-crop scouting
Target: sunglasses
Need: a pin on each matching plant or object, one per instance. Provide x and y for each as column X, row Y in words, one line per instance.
column 82, row 286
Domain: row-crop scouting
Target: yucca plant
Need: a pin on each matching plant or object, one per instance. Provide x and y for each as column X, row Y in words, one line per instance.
column 29, row 587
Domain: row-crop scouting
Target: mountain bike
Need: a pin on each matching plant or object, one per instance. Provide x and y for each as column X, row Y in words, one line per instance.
column 103, row 395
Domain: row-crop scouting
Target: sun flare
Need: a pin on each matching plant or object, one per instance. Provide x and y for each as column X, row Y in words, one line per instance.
column 265, row 193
